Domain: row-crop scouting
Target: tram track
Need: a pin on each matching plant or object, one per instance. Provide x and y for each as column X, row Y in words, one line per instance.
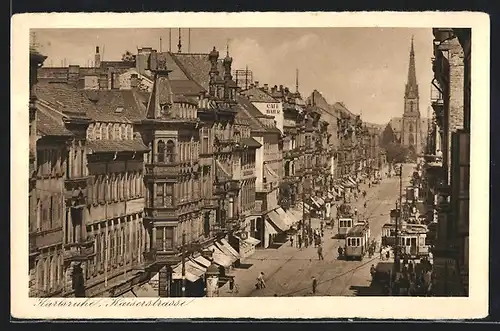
column 373, row 211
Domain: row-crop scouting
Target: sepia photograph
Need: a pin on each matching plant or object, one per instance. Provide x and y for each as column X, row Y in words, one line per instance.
column 232, row 162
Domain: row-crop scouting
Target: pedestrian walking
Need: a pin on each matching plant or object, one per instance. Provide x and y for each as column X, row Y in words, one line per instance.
column 388, row 255
column 320, row 252
column 300, row 241
column 306, row 241
column 314, row 284
column 381, row 251
column 260, row 281
column 291, row 241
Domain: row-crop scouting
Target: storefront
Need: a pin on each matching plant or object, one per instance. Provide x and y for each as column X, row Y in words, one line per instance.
column 247, row 244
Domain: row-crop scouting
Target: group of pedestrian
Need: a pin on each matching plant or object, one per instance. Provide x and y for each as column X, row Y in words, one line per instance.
column 414, row 279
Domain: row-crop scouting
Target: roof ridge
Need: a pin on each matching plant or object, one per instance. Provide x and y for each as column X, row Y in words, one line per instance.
column 184, row 70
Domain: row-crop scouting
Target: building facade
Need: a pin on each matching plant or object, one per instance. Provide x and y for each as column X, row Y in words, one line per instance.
column 448, row 160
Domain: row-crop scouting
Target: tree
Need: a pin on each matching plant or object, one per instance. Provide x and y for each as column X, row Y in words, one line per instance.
column 396, row 153
column 128, row 57
column 388, row 136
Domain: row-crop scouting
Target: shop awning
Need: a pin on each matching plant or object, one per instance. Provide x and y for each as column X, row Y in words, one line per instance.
column 289, row 221
column 271, row 173
column 348, row 184
column 202, row 261
column 275, row 218
column 227, row 252
column 220, row 258
column 297, row 214
column 305, row 205
column 351, row 180
column 229, row 247
column 316, row 202
column 330, row 195
column 252, row 241
column 270, row 229
column 321, row 201
column 193, row 273
column 292, row 216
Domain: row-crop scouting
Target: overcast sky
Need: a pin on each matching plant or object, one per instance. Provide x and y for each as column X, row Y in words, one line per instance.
column 366, row 68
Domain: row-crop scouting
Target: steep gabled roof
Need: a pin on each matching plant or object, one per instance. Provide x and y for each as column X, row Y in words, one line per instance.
column 65, row 98
column 196, row 67
column 100, row 105
column 48, row 125
column 116, row 106
column 256, row 94
column 253, row 114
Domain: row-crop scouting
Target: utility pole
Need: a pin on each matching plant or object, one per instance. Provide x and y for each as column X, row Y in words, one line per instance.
column 399, row 219
column 183, row 264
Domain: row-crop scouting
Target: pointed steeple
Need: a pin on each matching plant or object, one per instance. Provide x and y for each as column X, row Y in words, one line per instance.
column 411, row 84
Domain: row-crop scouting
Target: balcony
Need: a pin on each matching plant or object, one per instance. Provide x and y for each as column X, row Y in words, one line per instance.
column 168, row 170
column 79, row 251
column 168, row 214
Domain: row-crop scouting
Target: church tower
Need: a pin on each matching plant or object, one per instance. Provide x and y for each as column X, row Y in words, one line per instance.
column 410, row 135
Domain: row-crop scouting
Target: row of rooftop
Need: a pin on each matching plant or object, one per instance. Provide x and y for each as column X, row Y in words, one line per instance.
column 119, row 90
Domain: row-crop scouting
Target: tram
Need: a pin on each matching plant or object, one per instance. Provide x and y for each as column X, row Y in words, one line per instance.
column 357, row 241
column 411, row 239
column 344, row 225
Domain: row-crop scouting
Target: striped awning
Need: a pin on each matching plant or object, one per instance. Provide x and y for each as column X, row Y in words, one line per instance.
column 270, row 229
column 276, row 220
column 192, row 272
column 284, row 216
column 316, row 202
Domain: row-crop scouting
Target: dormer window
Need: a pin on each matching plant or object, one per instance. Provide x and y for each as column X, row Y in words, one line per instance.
column 119, row 110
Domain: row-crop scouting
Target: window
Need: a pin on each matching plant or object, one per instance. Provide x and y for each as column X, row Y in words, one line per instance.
column 98, row 131
column 159, row 200
column 204, row 141
column 160, row 152
column 124, row 131
column 164, row 238
column 116, row 131
column 170, row 152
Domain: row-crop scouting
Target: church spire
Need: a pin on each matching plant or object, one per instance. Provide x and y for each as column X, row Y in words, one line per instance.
column 411, row 84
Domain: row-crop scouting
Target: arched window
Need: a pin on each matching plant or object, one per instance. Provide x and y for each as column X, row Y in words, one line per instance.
column 410, row 127
column 160, row 152
column 170, row 151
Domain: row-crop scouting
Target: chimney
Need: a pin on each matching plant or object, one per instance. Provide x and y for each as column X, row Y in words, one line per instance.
column 281, row 88
column 97, row 58
column 266, row 87
column 91, row 82
column 256, row 83
column 134, row 81
column 103, row 82
column 73, row 73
